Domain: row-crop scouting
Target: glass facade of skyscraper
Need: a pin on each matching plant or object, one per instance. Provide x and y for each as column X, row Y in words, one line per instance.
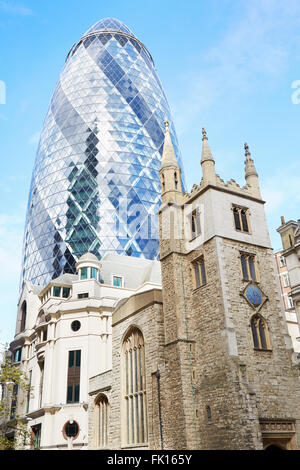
column 95, row 184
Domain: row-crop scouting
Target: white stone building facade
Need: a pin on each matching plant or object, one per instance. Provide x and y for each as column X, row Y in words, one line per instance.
column 63, row 338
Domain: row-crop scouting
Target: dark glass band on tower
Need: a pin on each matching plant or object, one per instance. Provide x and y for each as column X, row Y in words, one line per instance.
column 95, row 184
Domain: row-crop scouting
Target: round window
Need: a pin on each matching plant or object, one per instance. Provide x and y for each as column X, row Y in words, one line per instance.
column 71, row 429
column 75, row 325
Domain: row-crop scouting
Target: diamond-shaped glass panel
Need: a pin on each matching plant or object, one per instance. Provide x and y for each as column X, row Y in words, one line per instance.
column 95, row 183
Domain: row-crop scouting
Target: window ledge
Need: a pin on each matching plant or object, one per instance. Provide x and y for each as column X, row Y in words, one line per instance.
column 133, row 446
column 200, row 287
column 78, row 403
column 263, row 350
column 241, row 231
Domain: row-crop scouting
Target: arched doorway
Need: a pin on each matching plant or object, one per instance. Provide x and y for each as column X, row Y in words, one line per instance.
column 273, row 448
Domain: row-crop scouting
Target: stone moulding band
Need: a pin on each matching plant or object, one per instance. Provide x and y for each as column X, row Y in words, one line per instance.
column 277, row 426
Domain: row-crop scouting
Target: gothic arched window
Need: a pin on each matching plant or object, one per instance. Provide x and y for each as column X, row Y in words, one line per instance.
column 134, row 388
column 23, row 315
column 175, row 180
column 208, row 413
column 101, row 421
column 260, row 333
column 163, row 182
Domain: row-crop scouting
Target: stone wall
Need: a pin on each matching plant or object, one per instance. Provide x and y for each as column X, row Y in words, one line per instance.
column 239, row 384
column 149, row 321
column 214, row 389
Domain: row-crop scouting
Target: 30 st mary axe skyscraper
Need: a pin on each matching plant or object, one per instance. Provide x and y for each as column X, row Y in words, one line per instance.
column 95, row 184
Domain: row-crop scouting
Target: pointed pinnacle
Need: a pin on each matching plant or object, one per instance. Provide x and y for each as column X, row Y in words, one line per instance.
column 246, row 147
column 206, row 152
column 166, row 122
column 249, row 163
column 168, row 156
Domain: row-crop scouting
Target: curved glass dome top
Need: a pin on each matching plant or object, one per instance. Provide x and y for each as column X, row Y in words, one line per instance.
column 96, row 179
column 110, row 24
column 106, row 28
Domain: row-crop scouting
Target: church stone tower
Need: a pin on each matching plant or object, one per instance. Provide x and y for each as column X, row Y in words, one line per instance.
column 229, row 378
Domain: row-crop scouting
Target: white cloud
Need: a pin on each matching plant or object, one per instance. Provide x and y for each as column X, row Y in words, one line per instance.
column 15, row 9
column 257, row 44
column 281, row 190
column 11, row 236
column 34, row 139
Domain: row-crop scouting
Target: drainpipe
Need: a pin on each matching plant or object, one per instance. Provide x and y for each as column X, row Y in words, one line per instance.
column 157, row 375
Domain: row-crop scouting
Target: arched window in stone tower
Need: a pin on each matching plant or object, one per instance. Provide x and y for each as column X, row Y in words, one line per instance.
column 23, row 315
column 134, row 388
column 163, row 182
column 101, row 414
column 260, row 334
column 175, row 180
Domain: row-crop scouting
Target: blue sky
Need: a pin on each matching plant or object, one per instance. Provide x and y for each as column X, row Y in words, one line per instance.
column 226, row 65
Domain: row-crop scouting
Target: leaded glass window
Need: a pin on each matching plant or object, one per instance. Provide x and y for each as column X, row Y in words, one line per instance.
column 199, row 273
column 244, row 267
column 237, row 219
column 260, row 334
column 101, row 424
column 134, row 388
column 249, row 267
column 240, row 216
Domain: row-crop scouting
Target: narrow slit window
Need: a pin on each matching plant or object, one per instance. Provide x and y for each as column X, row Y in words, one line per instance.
column 244, row 267
column 208, row 412
column 199, row 273
column 237, row 219
column 175, row 180
column 244, row 221
column 195, row 224
column 254, row 334
column 23, row 315
column 163, row 182
column 73, row 383
column 252, row 268
column 94, row 273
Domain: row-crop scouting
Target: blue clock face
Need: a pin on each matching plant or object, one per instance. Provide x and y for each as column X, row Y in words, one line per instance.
column 254, row 295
